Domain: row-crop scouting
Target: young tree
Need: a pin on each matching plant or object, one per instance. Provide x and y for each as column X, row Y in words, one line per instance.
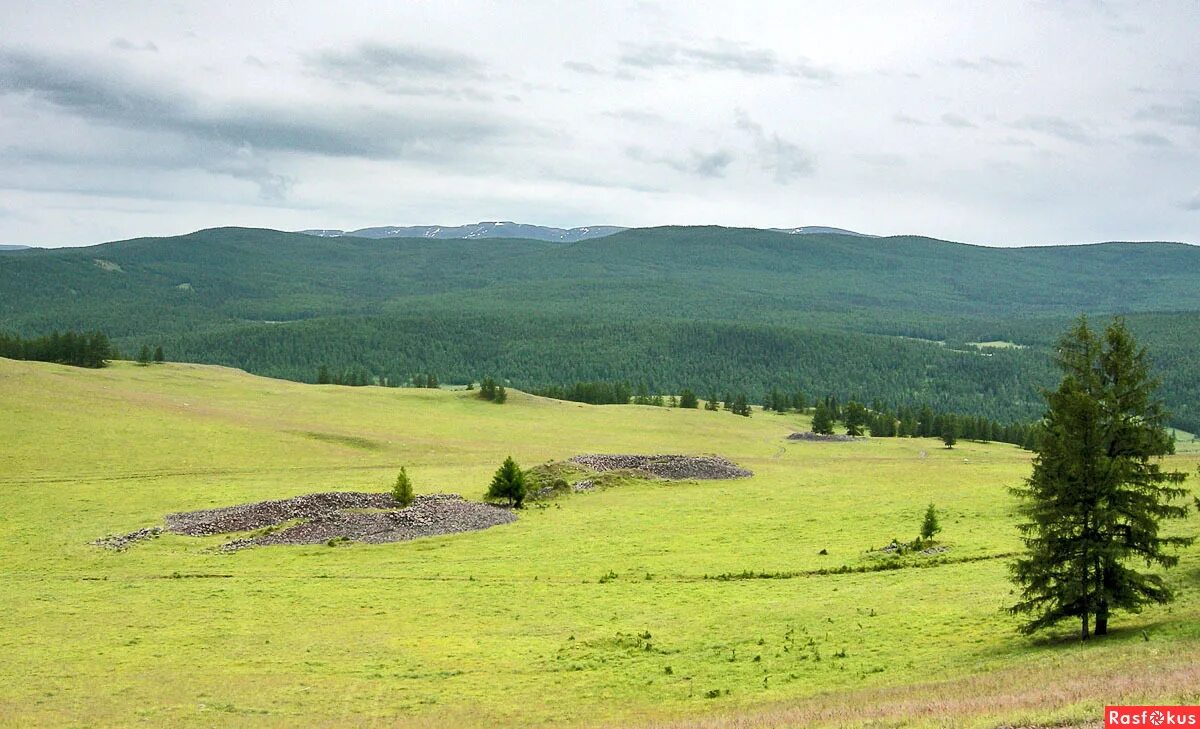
column 741, row 406
column 950, row 432
column 143, row 357
column 158, row 354
column 487, row 389
column 501, row 395
column 822, row 423
column 712, row 403
column 856, row 417
column 1098, row 492
column 403, row 490
column 687, row 399
column 508, row 484
column 323, row 375
column 930, row 526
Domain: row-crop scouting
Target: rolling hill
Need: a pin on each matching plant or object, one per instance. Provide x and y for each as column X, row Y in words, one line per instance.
column 715, row 309
column 760, row 601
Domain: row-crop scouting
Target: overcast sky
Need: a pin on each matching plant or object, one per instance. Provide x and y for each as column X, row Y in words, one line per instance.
column 1002, row 123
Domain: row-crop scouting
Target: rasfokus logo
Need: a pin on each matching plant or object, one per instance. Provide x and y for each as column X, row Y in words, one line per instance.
column 1151, row 716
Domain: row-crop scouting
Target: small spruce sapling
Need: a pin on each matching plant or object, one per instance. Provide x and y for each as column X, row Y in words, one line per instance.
column 403, row 490
column 930, row 526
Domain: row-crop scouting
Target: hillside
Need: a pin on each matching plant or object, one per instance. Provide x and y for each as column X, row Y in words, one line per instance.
column 606, row 607
column 714, row 309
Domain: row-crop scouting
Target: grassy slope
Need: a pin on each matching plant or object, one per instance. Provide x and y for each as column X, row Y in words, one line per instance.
column 513, row 624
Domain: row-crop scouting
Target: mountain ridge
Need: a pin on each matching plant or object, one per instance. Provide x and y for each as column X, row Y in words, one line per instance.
column 509, row 229
column 700, row 307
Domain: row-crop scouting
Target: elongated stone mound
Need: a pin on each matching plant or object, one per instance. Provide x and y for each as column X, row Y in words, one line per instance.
column 673, row 467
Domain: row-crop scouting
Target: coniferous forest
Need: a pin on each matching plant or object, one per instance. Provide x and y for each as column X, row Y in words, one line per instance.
column 905, row 321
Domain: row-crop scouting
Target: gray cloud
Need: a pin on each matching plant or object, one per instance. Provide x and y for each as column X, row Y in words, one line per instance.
column 1192, row 204
column 582, row 67
column 1150, row 139
column 1054, row 126
column 124, row 44
column 368, row 61
column 637, row 116
column 244, row 164
column 403, row 70
column 1183, row 115
column 696, row 163
column 107, row 96
column 720, row 55
column 958, row 122
column 985, row 64
column 784, row 159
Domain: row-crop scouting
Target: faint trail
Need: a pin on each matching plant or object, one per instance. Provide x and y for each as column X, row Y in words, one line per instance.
column 630, row 578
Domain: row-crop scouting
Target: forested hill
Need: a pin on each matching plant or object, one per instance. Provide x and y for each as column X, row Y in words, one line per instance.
column 703, row 307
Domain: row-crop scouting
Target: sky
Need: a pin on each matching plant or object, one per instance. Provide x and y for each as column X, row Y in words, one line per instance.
column 998, row 123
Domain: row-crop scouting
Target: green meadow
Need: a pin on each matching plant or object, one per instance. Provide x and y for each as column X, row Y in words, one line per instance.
column 755, row 601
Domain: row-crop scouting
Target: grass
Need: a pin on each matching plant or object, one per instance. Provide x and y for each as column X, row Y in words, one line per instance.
column 600, row 609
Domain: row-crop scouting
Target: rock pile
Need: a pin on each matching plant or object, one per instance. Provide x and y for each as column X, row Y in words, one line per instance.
column 245, row 517
column 429, row 515
column 821, row 437
column 673, row 467
column 121, row 542
column 328, row 516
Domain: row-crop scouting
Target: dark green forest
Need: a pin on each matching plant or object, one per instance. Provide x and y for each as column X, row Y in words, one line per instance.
column 887, row 320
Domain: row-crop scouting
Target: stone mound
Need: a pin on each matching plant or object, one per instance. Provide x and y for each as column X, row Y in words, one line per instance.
column 326, row 517
column 245, row 517
column 673, row 467
column 429, row 515
column 821, row 437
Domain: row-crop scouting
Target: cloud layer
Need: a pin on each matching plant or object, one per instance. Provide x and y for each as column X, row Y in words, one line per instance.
column 1033, row 123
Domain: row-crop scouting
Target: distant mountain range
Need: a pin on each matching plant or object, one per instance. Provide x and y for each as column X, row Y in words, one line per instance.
column 509, row 229
column 494, row 229
column 8, row 247
column 821, row 230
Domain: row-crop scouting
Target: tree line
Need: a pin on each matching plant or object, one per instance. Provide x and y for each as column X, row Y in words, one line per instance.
column 91, row 349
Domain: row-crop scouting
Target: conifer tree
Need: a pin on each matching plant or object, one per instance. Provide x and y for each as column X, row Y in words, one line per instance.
column 158, row 354
column 501, row 395
column 143, row 357
column 323, row 375
column 822, row 423
column 508, row 484
column 403, row 490
column 687, row 399
column 856, row 418
column 949, row 430
column 930, row 526
column 1098, row 493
